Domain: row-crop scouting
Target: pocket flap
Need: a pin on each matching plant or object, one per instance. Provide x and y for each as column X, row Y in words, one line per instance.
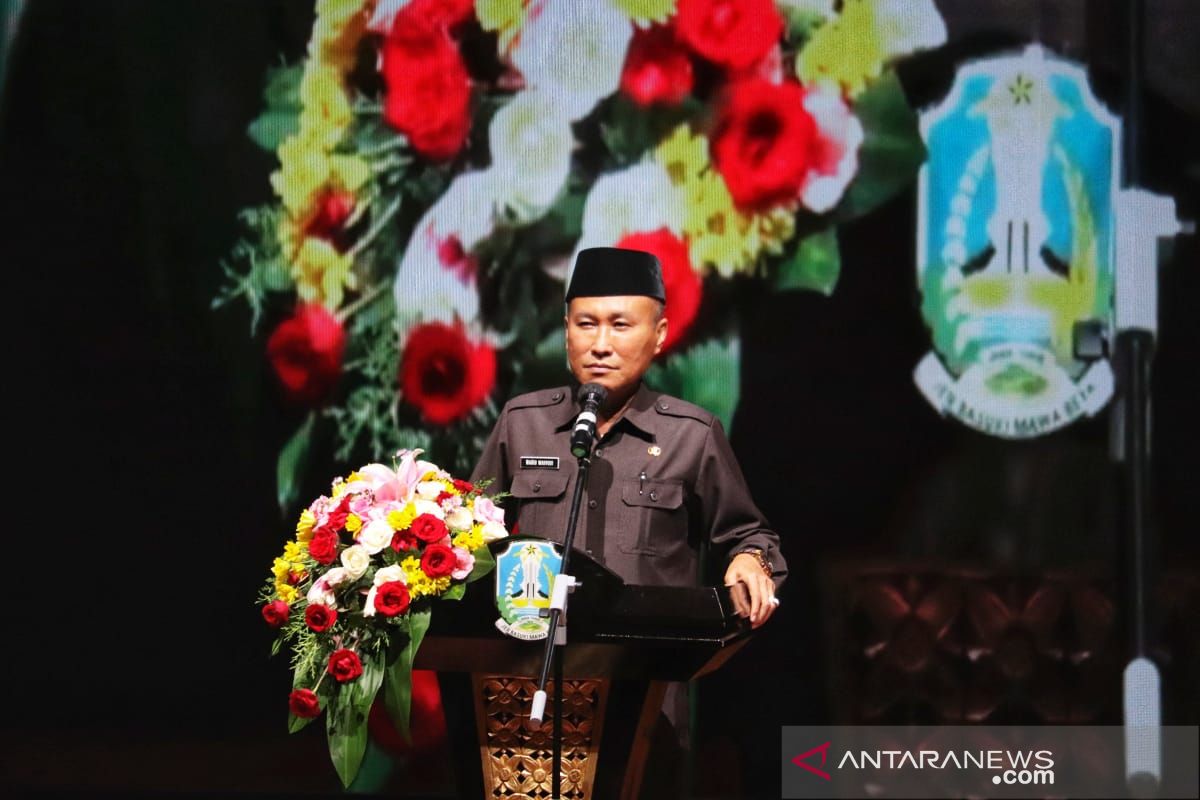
column 539, row 485
column 652, row 494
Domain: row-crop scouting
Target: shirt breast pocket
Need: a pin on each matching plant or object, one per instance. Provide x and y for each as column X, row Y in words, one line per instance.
column 653, row 517
column 541, row 509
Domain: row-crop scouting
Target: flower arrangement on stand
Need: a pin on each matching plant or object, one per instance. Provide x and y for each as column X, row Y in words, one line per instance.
column 352, row 594
column 441, row 161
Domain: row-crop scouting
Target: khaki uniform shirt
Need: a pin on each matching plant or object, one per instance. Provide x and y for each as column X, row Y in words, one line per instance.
column 662, row 480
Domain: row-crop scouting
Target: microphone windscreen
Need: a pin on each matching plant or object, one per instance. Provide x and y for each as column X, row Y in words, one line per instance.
column 594, row 392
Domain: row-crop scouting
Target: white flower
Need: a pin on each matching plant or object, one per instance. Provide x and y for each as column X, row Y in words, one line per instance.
column 905, row 26
column 459, row 519
column 531, row 143
column 840, row 134
column 428, row 507
column 369, row 602
column 322, row 592
column 389, row 574
column 356, row 560
column 430, row 489
column 375, row 535
column 635, row 199
column 573, row 51
column 493, row 531
column 435, row 279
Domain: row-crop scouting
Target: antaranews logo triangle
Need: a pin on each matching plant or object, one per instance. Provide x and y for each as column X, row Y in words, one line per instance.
column 801, row 760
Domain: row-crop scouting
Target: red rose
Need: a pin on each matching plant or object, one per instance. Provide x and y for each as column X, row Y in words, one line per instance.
column 428, row 92
column 438, row 561
column 391, row 598
column 464, row 487
column 762, row 143
column 404, row 540
column 320, row 617
column 428, row 528
column 304, row 703
column 276, row 613
column 682, row 284
column 323, row 546
column 442, row 14
column 733, row 33
column 443, row 374
column 344, row 665
column 657, row 68
column 306, row 352
column 333, row 209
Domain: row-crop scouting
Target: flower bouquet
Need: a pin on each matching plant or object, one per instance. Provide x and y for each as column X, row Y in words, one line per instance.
column 440, row 162
column 399, row 538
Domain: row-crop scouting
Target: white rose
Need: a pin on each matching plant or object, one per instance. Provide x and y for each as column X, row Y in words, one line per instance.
column 430, row 489
column 369, row 603
column 375, row 536
column 356, row 560
column 905, row 26
column 573, row 52
column 531, row 144
column 389, row 574
column 841, row 135
column 460, row 519
column 423, row 506
column 493, row 531
column 638, row 198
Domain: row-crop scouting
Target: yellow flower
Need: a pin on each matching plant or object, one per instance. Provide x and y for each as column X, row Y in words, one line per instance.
column 504, row 16
column 304, row 170
column 683, row 155
column 294, row 552
column 353, row 523
column 304, row 526
column 287, row 593
column 400, row 520
column 643, row 12
column 339, row 26
column 322, row 274
column 353, row 476
column 325, row 110
column 470, row 540
column 723, row 237
column 280, row 568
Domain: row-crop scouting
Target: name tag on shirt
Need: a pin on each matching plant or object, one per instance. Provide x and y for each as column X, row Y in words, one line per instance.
column 539, row 462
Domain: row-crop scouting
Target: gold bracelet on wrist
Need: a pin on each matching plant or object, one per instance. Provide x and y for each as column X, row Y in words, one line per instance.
column 761, row 558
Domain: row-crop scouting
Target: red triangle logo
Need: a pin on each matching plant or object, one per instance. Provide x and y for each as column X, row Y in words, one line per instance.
column 800, row 760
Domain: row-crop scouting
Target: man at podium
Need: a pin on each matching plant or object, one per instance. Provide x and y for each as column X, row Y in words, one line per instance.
column 664, row 482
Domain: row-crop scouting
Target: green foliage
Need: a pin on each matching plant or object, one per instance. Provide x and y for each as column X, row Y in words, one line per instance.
column 814, row 264
column 485, row 562
column 256, row 265
column 892, row 150
column 706, row 374
column 397, row 690
column 346, row 716
column 628, row 131
column 293, row 459
column 281, row 117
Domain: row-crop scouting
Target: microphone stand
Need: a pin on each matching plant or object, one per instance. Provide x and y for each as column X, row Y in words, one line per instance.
column 556, row 637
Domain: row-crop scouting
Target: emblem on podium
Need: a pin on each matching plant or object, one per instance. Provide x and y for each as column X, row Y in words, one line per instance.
column 525, row 572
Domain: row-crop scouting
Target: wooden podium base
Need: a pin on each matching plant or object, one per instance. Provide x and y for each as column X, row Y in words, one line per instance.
column 516, row 754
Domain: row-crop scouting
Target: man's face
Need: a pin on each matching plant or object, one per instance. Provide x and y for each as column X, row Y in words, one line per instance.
column 612, row 340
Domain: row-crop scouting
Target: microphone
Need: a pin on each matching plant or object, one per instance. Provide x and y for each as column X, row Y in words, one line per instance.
column 591, row 397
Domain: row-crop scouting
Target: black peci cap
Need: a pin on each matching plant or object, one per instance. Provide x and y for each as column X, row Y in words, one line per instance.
column 616, row 271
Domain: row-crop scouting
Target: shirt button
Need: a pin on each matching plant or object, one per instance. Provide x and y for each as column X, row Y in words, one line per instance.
column 556, row 397
column 537, row 487
column 592, row 504
column 653, row 496
column 599, row 451
column 663, row 405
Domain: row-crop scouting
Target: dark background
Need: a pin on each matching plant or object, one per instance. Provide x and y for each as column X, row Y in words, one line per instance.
column 143, row 426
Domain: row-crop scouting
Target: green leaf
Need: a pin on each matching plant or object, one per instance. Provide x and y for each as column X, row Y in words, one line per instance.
column 892, row 150
column 346, row 718
column 281, row 118
column 300, row 680
column 485, row 562
column 290, row 466
column 455, row 592
column 706, row 374
column 814, row 265
column 397, row 689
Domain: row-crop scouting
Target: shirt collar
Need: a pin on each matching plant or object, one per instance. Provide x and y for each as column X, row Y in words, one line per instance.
column 639, row 415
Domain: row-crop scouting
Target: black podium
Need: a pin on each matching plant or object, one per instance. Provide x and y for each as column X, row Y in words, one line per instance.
column 624, row 644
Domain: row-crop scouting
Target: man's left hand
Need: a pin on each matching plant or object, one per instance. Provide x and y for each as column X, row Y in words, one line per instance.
column 745, row 569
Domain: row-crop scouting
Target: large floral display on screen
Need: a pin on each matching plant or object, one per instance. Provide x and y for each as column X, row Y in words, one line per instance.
column 440, row 162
